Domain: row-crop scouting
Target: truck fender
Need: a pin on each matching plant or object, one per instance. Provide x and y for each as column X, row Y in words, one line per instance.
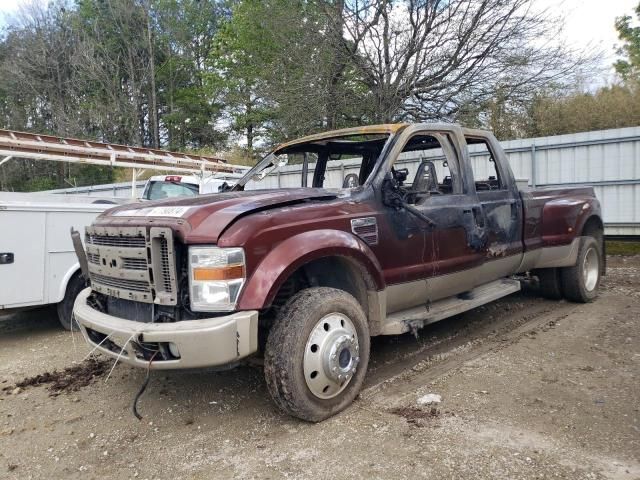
column 564, row 219
column 274, row 269
column 62, row 287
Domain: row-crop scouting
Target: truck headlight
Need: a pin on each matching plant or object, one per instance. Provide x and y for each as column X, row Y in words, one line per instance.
column 216, row 276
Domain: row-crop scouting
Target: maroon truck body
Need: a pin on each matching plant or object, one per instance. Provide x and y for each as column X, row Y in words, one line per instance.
column 396, row 259
column 282, row 230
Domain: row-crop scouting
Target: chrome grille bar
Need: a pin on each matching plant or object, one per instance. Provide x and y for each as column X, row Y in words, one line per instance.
column 128, row 242
column 135, row 285
column 134, row 263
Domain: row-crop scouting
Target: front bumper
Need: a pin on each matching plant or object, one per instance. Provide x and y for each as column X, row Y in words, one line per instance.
column 201, row 343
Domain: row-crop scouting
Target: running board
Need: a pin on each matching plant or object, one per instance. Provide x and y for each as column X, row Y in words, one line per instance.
column 417, row 317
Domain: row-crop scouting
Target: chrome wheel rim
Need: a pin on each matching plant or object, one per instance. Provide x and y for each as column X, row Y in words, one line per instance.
column 590, row 269
column 331, row 356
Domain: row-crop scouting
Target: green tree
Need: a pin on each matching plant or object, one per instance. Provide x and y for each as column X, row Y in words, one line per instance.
column 189, row 106
column 629, row 66
column 616, row 106
column 38, row 92
column 122, row 71
column 283, row 72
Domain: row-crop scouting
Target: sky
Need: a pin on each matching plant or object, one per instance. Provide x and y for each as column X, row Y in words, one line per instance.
column 588, row 23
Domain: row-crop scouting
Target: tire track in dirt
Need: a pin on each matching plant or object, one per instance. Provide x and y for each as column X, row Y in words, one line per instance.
column 432, row 360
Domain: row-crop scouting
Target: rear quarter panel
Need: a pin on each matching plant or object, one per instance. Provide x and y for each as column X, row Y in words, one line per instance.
column 555, row 216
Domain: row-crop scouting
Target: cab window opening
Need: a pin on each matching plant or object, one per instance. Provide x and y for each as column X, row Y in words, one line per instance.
column 426, row 167
column 485, row 168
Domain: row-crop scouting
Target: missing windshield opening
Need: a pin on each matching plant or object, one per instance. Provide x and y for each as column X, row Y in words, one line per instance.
column 338, row 162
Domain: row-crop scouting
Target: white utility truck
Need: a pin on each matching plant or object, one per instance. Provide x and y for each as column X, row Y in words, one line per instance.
column 38, row 265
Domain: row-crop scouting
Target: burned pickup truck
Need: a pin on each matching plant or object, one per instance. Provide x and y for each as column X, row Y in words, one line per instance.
column 359, row 246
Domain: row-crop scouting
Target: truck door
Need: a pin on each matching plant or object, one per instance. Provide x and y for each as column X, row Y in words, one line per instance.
column 501, row 204
column 454, row 247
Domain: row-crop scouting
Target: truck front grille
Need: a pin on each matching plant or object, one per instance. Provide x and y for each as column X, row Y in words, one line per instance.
column 138, row 241
column 134, row 285
column 166, row 273
column 133, row 263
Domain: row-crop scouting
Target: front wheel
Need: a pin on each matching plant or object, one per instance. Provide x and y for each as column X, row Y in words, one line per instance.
column 317, row 353
column 65, row 308
column 580, row 282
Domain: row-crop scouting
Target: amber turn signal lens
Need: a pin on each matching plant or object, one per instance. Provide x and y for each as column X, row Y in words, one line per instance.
column 218, row 273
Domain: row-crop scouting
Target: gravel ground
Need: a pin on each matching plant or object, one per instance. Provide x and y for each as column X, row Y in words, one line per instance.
column 530, row 388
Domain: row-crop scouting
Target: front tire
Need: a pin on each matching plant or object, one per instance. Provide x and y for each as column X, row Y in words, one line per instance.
column 580, row 282
column 317, row 353
column 65, row 307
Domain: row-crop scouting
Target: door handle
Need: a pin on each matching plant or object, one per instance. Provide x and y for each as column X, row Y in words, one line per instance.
column 6, row 258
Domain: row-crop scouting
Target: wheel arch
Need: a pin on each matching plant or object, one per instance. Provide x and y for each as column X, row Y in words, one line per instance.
column 565, row 218
column 342, row 261
column 592, row 226
column 64, row 283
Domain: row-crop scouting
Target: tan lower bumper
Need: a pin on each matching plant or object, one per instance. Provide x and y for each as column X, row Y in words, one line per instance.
column 201, row 343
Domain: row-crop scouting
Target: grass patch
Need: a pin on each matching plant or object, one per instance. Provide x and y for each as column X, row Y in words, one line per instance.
column 617, row 247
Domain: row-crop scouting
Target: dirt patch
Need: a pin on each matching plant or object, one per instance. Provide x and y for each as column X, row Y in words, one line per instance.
column 414, row 415
column 71, row 379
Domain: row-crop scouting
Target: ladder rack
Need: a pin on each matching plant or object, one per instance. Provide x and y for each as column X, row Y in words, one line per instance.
column 47, row 147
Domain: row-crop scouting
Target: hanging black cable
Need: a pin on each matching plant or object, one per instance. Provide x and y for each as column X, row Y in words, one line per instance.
column 143, row 387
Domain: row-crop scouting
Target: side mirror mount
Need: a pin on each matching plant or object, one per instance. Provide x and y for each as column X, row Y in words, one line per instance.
column 393, row 197
column 276, row 163
column 401, row 175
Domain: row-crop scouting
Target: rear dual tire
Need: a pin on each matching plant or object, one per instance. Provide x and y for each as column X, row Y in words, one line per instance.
column 317, row 353
column 578, row 283
column 549, row 283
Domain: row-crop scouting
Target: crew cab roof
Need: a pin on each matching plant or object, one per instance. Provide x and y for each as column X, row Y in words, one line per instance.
column 387, row 128
column 384, row 128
